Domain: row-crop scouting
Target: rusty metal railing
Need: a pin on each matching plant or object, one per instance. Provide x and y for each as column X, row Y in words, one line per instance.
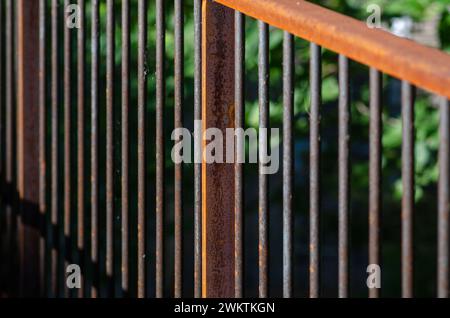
column 418, row 65
column 69, row 197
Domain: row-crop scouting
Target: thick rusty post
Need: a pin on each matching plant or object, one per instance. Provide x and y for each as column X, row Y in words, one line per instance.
column 28, row 144
column 217, row 178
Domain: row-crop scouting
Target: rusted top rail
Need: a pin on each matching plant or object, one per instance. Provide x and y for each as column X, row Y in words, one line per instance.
column 424, row 67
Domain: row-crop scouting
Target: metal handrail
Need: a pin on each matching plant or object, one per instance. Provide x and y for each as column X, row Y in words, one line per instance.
column 422, row 66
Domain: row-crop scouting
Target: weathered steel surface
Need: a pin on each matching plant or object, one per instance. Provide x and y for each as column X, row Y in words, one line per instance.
column 420, row 65
column 443, row 200
column 263, row 181
column 95, row 58
column 10, row 110
column 178, row 123
column 375, row 170
column 198, row 166
column 142, row 91
column 160, row 102
column 42, row 141
column 239, row 24
column 344, row 174
column 55, row 217
column 408, row 95
column 288, row 164
column 80, row 138
column 67, row 80
column 28, row 144
column 218, row 178
column 314, row 174
column 110, row 117
column 125, row 104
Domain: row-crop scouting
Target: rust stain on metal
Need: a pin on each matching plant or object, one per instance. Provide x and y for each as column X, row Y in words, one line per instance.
column 422, row 66
column 81, row 136
column 218, row 178
column 28, row 143
column 197, row 167
column 375, row 177
column 160, row 155
column 443, row 201
column 407, row 214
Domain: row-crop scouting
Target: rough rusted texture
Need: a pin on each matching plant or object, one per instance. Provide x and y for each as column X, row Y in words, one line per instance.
column 95, row 59
column 239, row 97
column 375, row 127
column 408, row 95
column 444, row 197
column 54, row 145
column 110, row 164
column 81, row 135
column 218, row 178
column 28, row 144
column 263, row 180
column 67, row 126
column 314, row 167
column 288, row 164
column 68, row 195
column 160, row 102
column 142, row 90
column 420, row 65
column 344, row 174
column 197, row 166
column 125, row 142
column 42, row 138
column 9, row 133
column 178, row 123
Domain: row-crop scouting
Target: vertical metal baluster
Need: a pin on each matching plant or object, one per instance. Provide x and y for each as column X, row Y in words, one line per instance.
column 3, row 227
column 61, row 246
column 443, row 199
column 110, row 164
column 42, row 140
column 80, row 141
column 67, row 135
column 95, row 37
column 54, row 146
column 2, row 110
column 344, row 174
column 160, row 101
column 239, row 22
column 27, row 163
column 263, row 89
column 2, row 140
column 375, row 171
column 218, row 111
column 178, row 116
column 314, row 228
column 142, row 42
column 125, row 139
column 288, row 163
column 197, row 166
column 9, row 135
column 408, row 95
column 2, row 92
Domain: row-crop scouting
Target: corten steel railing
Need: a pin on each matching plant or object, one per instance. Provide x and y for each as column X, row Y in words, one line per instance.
column 50, row 220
